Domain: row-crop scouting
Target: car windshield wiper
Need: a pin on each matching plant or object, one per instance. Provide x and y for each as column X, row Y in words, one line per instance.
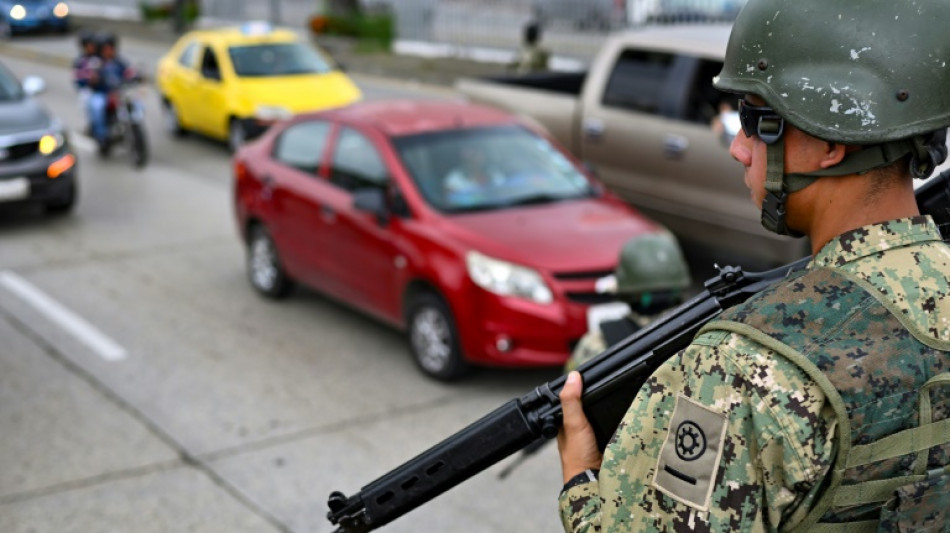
column 537, row 199
column 455, row 210
column 292, row 71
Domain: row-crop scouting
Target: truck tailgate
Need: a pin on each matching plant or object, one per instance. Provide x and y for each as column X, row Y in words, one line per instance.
column 554, row 111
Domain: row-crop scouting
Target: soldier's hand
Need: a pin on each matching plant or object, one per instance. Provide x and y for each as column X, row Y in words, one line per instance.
column 576, row 441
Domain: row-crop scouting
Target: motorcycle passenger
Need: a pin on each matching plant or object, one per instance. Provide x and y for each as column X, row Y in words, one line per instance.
column 650, row 278
column 84, row 65
column 110, row 72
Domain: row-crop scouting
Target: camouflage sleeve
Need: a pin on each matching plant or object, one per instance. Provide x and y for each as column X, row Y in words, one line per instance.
column 725, row 436
column 590, row 346
column 580, row 508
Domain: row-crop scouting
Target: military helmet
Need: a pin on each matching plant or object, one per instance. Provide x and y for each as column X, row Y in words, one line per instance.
column 845, row 71
column 652, row 262
column 870, row 73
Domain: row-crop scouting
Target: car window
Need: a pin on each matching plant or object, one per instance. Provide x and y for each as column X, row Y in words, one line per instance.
column 489, row 168
column 209, row 65
column 302, row 145
column 10, row 88
column 706, row 103
column 187, row 56
column 356, row 163
column 637, row 80
column 278, row 59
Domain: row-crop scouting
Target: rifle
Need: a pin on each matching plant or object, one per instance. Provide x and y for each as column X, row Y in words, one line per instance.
column 611, row 381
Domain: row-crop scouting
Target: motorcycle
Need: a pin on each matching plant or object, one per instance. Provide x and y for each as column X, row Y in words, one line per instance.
column 125, row 118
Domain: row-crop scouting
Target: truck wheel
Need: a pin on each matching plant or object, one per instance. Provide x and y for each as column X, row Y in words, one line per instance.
column 433, row 338
column 264, row 270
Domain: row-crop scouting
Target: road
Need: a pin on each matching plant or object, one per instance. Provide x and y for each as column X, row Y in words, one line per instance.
column 145, row 387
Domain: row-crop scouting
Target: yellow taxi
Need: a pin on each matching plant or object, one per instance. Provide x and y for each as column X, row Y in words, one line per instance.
column 232, row 83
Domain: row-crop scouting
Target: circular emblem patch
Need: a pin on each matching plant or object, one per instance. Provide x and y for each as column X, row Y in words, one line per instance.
column 690, row 441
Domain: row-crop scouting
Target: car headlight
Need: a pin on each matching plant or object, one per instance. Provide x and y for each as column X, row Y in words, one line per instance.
column 51, row 142
column 17, row 12
column 61, row 10
column 507, row 279
column 272, row 112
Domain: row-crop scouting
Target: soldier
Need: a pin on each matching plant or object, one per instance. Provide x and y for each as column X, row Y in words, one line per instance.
column 533, row 57
column 822, row 403
column 651, row 277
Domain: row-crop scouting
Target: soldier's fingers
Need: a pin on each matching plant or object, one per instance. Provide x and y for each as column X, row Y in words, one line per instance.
column 571, row 401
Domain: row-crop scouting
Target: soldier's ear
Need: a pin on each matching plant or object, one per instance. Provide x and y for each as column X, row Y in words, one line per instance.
column 833, row 154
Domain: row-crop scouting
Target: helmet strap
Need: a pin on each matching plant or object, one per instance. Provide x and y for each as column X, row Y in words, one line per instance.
column 778, row 185
column 773, row 205
column 868, row 158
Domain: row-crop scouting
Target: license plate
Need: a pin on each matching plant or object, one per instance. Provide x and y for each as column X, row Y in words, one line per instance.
column 14, row 189
column 604, row 312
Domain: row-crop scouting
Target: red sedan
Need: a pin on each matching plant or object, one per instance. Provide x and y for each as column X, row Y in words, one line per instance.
column 460, row 224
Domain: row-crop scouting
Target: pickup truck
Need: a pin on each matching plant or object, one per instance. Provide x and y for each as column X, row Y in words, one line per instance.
column 646, row 117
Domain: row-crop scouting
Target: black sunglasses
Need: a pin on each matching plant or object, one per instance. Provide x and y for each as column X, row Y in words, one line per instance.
column 761, row 121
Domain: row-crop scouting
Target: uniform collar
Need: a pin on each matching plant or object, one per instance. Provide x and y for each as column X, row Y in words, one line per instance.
column 875, row 238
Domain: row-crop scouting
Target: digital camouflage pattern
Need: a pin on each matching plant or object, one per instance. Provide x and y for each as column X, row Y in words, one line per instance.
column 921, row 507
column 780, row 433
column 593, row 343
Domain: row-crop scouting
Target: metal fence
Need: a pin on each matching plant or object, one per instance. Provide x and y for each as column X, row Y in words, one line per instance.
column 570, row 28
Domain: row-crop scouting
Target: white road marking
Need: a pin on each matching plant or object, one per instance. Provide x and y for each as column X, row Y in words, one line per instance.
column 105, row 347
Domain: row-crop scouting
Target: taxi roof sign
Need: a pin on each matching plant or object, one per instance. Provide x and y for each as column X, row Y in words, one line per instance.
column 256, row 27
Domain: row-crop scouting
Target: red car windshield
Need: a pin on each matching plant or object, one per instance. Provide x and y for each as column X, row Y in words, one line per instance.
column 489, row 168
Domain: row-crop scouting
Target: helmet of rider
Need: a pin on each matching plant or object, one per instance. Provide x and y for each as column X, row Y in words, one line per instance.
column 107, row 39
column 651, row 274
column 872, row 73
column 86, row 38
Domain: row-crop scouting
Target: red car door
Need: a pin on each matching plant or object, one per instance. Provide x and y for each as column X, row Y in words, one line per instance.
column 365, row 256
column 297, row 196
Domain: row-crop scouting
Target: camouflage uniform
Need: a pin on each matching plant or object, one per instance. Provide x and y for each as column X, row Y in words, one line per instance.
column 651, row 277
column 768, row 424
column 593, row 343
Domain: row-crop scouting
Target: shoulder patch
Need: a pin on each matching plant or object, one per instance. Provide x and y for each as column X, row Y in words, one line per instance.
column 689, row 459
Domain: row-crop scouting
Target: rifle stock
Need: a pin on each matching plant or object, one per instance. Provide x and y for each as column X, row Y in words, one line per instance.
column 611, row 381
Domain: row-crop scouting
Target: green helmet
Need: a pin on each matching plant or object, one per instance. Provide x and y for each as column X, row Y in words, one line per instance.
column 652, row 262
column 869, row 72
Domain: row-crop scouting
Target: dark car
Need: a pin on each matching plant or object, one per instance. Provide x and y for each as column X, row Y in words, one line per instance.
column 17, row 16
column 37, row 163
column 380, row 205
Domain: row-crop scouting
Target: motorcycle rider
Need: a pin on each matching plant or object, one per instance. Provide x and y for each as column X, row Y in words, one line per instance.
column 650, row 278
column 106, row 75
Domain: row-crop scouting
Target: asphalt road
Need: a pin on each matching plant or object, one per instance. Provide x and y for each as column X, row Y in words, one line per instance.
column 145, row 387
